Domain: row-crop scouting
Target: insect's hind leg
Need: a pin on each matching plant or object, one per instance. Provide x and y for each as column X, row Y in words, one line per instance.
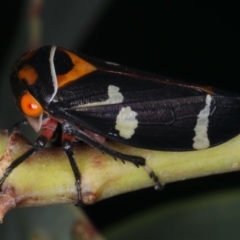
column 71, row 129
column 158, row 185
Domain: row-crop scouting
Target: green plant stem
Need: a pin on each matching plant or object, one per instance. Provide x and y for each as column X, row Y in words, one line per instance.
column 46, row 177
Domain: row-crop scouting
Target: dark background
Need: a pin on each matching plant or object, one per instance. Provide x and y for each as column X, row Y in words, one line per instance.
column 197, row 41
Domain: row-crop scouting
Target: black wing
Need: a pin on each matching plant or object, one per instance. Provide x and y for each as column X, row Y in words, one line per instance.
column 145, row 111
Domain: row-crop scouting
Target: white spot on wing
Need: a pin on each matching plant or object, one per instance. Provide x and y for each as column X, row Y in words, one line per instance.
column 53, row 72
column 201, row 140
column 112, row 63
column 126, row 122
column 114, row 96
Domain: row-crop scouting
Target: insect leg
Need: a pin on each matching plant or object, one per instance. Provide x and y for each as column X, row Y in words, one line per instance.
column 39, row 143
column 73, row 130
column 67, row 143
column 48, row 129
column 16, row 126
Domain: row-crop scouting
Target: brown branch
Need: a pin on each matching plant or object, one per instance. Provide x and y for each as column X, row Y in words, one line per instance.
column 46, row 178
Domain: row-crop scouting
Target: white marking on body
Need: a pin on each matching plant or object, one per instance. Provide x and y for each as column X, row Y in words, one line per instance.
column 53, row 72
column 114, row 96
column 126, row 122
column 201, row 139
column 112, row 63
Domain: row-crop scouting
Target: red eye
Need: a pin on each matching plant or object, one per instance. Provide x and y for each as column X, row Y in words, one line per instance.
column 30, row 106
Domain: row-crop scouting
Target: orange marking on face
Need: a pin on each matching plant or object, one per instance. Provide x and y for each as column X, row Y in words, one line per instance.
column 80, row 68
column 30, row 106
column 28, row 74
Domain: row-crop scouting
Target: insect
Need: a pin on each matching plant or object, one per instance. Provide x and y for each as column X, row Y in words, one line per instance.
column 92, row 98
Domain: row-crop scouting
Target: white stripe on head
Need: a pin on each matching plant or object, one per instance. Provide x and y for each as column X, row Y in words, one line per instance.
column 53, row 72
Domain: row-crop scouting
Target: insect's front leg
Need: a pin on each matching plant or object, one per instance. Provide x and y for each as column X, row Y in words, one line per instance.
column 49, row 128
column 67, row 145
column 39, row 143
column 17, row 125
